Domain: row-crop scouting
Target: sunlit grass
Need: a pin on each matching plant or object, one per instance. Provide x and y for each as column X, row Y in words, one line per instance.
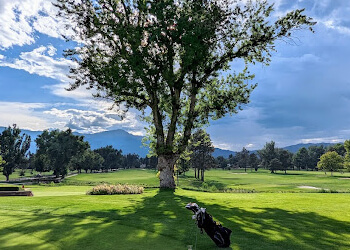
column 237, row 181
column 158, row 220
column 264, row 181
column 130, row 176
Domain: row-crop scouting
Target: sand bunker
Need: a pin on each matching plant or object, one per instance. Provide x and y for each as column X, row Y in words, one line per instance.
column 309, row 187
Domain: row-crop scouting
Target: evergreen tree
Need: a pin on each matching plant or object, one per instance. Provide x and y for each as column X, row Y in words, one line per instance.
column 201, row 149
column 301, row 158
column 267, row 154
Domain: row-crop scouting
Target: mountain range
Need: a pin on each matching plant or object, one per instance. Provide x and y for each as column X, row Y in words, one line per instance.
column 128, row 143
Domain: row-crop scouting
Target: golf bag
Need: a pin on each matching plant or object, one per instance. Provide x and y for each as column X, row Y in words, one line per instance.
column 219, row 234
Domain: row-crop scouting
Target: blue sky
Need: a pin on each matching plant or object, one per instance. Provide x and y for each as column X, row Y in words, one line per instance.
column 303, row 96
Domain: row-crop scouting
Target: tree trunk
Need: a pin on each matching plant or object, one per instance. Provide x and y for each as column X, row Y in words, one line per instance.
column 166, row 167
column 7, row 178
column 202, row 175
column 195, row 173
column 56, row 173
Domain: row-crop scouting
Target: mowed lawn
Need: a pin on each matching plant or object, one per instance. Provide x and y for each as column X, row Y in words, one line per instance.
column 64, row 217
column 235, row 180
column 264, row 181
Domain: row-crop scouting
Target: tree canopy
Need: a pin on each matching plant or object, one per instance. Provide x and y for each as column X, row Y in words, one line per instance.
column 14, row 147
column 1, row 163
column 330, row 161
column 173, row 57
column 301, row 158
column 201, row 149
column 58, row 148
column 347, row 155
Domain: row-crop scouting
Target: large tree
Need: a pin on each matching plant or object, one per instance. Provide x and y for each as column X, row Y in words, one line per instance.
column 347, row 155
column 201, row 149
column 167, row 56
column 315, row 153
column 58, row 148
column 285, row 157
column 254, row 162
column 267, row 154
column 88, row 160
column 243, row 158
column 14, row 147
column 301, row 158
column 339, row 148
column 1, row 163
column 330, row 161
column 113, row 158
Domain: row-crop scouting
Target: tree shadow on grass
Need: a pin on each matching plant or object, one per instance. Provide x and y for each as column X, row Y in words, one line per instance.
column 287, row 174
column 160, row 221
column 206, row 185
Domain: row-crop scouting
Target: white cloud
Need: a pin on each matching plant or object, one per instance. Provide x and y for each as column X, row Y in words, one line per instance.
column 335, row 25
column 97, row 116
column 250, row 145
column 40, row 62
column 25, row 115
column 51, row 50
column 322, row 140
column 225, row 146
column 80, row 94
column 20, row 19
column 83, row 118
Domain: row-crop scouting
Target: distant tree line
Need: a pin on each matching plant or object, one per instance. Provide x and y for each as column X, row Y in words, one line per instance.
column 62, row 151
column 272, row 158
column 331, row 158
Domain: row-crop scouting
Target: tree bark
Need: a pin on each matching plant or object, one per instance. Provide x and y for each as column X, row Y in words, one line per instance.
column 166, row 167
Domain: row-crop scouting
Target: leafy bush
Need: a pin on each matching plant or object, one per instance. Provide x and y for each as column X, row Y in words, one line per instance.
column 115, row 189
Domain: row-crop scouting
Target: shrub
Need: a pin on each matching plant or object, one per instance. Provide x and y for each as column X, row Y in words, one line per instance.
column 115, row 189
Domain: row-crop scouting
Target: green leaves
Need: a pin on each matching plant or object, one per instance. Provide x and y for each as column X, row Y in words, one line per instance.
column 13, row 149
column 58, row 147
column 168, row 56
column 330, row 161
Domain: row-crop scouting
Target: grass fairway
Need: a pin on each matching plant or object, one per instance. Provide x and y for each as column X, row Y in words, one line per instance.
column 237, row 180
column 130, row 176
column 57, row 219
column 279, row 215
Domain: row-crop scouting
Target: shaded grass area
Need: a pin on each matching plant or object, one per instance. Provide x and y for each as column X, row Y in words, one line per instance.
column 158, row 220
column 27, row 174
